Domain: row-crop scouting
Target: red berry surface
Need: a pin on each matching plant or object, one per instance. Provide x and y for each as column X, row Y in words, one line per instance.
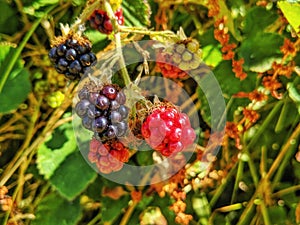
column 99, row 20
column 168, row 131
column 108, row 157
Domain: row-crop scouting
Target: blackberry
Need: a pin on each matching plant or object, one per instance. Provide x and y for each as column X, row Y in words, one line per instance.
column 100, row 21
column 71, row 55
column 102, row 110
column 176, row 60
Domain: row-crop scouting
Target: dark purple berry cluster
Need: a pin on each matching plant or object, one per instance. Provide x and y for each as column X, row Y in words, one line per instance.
column 72, row 57
column 103, row 111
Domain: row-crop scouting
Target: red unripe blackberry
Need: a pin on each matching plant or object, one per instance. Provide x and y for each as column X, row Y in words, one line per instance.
column 108, row 157
column 102, row 110
column 71, row 55
column 167, row 130
column 99, row 20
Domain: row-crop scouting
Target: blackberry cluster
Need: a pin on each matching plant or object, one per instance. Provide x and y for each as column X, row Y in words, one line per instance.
column 167, row 130
column 103, row 111
column 71, row 56
column 99, row 20
column 108, row 157
column 183, row 56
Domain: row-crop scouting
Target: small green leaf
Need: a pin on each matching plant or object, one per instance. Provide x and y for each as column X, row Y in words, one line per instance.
column 48, row 159
column 257, row 19
column 291, row 12
column 17, row 86
column 212, row 55
column 136, row 12
column 260, row 51
column 53, row 210
column 72, row 176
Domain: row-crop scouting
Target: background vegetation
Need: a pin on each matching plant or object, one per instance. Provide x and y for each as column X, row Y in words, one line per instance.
column 252, row 48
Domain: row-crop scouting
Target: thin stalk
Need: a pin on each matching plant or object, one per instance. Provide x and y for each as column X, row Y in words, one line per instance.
column 285, row 160
column 221, row 188
column 239, row 175
column 18, row 51
column 137, row 30
column 117, row 37
column 264, row 125
column 247, row 213
column 128, row 213
column 263, row 161
column 95, row 219
column 30, row 133
column 253, row 171
column 265, row 214
column 41, row 138
column 286, row 191
column 283, row 152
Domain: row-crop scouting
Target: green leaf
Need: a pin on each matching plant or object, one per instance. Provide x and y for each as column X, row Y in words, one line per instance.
column 291, row 11
column 144, row 158
column 277, row 214
column 99, row 40
column 136, row 12
column 53, row 210
column 8, row 20
column 17, row 86
column 260, row 51
column 112, row 209
column 212, row 55
column 229, row 85
column 257, row 19
column 294, row 95
column 72, row 176
column 49, row 159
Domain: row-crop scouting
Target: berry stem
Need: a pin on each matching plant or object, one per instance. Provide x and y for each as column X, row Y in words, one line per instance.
column 117, row 36
column 143, row 31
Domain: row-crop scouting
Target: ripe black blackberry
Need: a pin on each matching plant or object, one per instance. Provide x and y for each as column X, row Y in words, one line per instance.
column 99, row 20
column 71, row 55
column 102, row 110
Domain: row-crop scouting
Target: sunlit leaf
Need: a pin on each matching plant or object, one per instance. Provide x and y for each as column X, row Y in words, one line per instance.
column 291, row 11
column 72, row 176
column 260, row 51
column 49, row 159
column 136, row 12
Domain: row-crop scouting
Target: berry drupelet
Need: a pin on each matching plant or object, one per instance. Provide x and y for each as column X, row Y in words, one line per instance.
column 102, row 111
column 167, row 130
column 71, row 55
column 108, row 157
